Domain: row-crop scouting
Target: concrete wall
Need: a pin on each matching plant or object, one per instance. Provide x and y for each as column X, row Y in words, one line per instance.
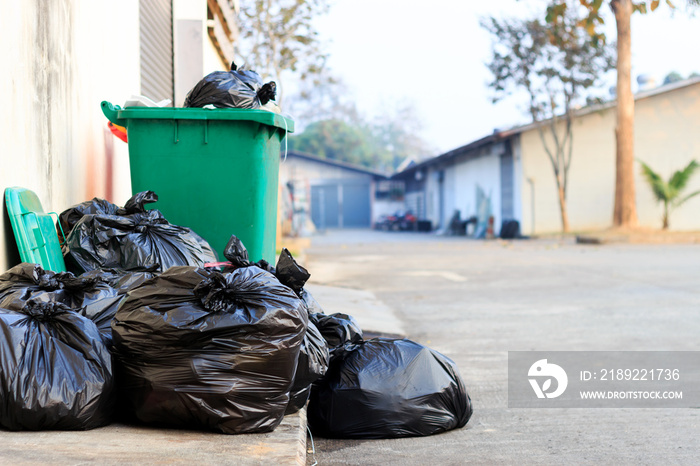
column 666, row 138
column 60, row 59
column 65, row 57
column 195, row 55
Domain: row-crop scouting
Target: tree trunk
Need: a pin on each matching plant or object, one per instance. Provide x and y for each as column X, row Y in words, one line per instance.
column 562, row 207
column 665, row 224
column 625, row 212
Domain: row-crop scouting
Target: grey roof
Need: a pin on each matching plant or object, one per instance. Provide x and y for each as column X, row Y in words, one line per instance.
column 472, row 146
column 336, row 163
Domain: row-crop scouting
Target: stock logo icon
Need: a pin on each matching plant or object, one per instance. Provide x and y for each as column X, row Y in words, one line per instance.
column 544, row 372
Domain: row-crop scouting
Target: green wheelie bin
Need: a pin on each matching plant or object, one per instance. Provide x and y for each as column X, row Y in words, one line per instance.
column 215, row 171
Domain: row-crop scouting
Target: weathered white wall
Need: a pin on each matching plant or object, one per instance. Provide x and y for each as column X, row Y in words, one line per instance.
column 432, row 192
column 60, row 60
column 449, row 204
column 483, row 171
column 519, row 182
column 666, row 138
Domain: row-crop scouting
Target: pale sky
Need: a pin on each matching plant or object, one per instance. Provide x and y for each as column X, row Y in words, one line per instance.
column 433, row 53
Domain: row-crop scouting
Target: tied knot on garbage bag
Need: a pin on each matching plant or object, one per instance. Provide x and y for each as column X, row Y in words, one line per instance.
column 50, row 282
column 236, row 253
column 217, row 293
column 290, row 273
column 137, row 203
column 44, row 311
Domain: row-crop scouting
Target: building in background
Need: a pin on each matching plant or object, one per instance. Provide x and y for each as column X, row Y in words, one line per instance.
column 317, row 194
column 475, row 180
column 508, row 174
column 68, row 56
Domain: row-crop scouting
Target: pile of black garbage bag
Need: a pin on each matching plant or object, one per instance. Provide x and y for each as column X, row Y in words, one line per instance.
column 147, row 325
column 377, row 388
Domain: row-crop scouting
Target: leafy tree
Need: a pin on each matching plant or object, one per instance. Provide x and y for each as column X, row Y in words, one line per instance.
column 279, row 35
column 342, row 133
column 338, row 140
column 325, row 97
column 669, row 192
column 555, row 64
column 380, row 145
column 625, row 211
column 673, row 77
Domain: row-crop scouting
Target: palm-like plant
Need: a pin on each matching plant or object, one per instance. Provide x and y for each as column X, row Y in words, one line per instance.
column 669, row 192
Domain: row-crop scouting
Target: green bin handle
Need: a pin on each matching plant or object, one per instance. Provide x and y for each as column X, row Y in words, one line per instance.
column 112, row 112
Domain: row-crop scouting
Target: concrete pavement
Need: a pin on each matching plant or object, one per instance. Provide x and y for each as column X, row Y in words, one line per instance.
column 119, row 444
column 372, row 315
column 476, row 300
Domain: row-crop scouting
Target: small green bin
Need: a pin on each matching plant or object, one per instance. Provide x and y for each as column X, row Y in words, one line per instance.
column 215, row 171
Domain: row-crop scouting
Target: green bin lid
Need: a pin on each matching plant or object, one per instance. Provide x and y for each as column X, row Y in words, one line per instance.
column 121, row 117
column 34, row 230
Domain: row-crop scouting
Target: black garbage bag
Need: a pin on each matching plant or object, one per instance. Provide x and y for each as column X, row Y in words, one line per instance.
column 339, row 330
column 311, row 304
column 133, row 239
column 95, row 295
column 387, row 388
column 236, row 253
column 55, row 371
column 199, row 348
column 100, row 298
column 312, row 365
column 290, row 273
column 235, row 88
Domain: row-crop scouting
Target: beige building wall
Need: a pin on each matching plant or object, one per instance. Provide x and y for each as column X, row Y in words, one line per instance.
column 666, row 138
